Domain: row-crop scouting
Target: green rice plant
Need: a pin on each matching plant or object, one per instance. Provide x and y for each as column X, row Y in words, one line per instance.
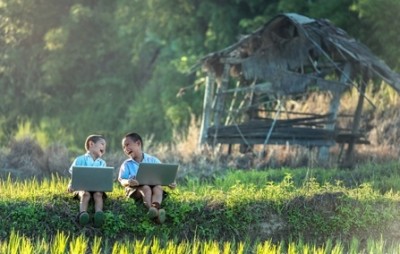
column 354, row 247
column 241, row 248
column 182, row 248
column 318, row 250
column 292, row 248
column 78, row 245
column 3, row 246
column 140, row 246
column 226, row 249
column 155, row 246
column 302, row 246
column 42, row 245
column 328, row 246
column 210, row 247
column 26, row 246
column 376, row 246
column 172, row 248
column 196, row 246
column 13, row 243
column 96, row 245
column 305, row 249
column 119, row 248
column 337, row 248
column 59, row 243
column 21, row 244
column 267, row 247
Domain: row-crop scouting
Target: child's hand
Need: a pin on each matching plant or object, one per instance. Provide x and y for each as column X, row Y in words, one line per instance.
column 69, row 189
column 133, row 182
column 172, row 185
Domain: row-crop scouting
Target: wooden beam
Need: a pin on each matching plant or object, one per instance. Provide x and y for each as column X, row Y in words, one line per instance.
column 205, row 120
column 348, row 161
column 323, row 153
column 220, row 99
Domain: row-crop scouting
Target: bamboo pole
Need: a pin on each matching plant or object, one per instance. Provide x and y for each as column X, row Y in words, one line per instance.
column 220, row 101
column 231, row 114
column 348, row 161
column 208, row 98
column 323, row 153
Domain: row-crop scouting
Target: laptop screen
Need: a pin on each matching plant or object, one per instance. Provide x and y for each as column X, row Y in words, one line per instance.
column 156, row 173
column 92, row 178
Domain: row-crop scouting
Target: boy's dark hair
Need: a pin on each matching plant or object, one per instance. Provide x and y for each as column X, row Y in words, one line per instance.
column 134, row 137
column 94, row 138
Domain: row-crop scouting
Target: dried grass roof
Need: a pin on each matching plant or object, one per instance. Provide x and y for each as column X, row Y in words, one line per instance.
column 293, row 52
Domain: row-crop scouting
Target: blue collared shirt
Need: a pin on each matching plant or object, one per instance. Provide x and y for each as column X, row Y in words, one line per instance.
column 129, row 167
column 87, row 160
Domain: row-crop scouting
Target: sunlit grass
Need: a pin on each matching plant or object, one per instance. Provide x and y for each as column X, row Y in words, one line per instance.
column 18, row 243
column 31, row 189
column 229, row 197
column 79, row 245
column 59, row 243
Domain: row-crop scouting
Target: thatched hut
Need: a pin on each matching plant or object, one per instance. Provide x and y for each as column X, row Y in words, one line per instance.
column 290, row 55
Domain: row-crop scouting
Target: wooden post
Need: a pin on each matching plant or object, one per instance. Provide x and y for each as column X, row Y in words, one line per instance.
column 205, row 120
column 323, row 153
column 348, row 161
column 244, row 147
column 220, row 101
column 231, row 115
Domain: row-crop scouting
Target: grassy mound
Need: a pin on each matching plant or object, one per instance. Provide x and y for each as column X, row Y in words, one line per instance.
column 237, row 206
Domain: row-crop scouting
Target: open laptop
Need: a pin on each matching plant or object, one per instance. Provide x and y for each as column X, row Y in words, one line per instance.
column 92, row 178
column 156, row 173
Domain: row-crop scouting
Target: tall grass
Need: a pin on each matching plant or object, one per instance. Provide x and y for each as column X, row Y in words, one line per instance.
column 79, row 244
column 290, row 211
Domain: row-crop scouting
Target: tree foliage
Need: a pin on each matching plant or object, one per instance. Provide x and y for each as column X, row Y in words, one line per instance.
column 116, row 66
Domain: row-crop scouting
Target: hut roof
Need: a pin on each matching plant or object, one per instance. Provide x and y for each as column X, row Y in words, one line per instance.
column 293, row 51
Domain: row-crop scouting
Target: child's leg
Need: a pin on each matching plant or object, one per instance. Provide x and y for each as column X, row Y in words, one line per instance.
column 145, row 192
column 98, row 201
column 156, row 202
column 83, row 216
column 98, row 208
column 84, row 197
column 157, row 195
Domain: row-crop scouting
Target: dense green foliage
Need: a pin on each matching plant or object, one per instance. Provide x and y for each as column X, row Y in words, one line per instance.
column 237, row 206
column 69, row 68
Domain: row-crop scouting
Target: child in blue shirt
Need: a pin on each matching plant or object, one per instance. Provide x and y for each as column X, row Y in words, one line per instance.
column 95, row 146
column 152, row 196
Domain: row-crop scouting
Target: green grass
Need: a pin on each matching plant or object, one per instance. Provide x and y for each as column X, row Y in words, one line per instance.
column 286, row 210
column 80, row 244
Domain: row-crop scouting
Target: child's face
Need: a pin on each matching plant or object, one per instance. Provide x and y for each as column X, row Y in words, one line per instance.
column 132, row 148
column 97, row 149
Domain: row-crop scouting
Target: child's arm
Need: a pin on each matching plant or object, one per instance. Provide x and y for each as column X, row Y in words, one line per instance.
column 125, row 179
column 129, row 182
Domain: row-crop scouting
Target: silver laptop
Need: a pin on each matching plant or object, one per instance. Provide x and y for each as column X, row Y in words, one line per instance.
column 92, row 178
column 156, row 173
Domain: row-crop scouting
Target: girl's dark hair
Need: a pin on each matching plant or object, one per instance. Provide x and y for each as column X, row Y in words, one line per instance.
column 134, row 137
column 94, row 138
